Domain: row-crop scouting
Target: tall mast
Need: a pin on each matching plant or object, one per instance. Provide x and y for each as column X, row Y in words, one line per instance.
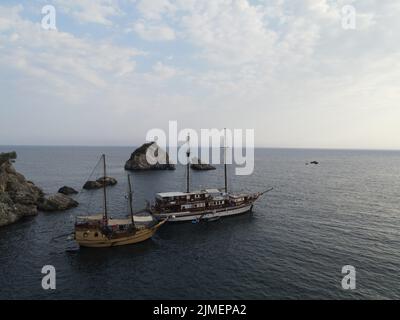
column 105, row 218
column 226, row 178
column 130, row 195
column 188, row 165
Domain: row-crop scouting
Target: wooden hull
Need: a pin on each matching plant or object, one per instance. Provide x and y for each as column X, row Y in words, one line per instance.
column 94, row 239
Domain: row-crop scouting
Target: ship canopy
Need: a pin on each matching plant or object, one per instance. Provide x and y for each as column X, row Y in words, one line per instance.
column 113, row 222
column 178, row 194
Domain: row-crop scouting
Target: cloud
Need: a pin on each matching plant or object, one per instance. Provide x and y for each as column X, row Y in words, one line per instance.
column 59, row 58
column 162, row 71
column 89, row 11
column 151, row 32
column 155, row 9
column 229, row 32
column 285, row 68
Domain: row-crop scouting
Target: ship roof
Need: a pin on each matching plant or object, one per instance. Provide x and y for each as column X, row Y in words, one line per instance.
column 171, row 194
column 183, row 194
column 212, row 191
column 112, row 222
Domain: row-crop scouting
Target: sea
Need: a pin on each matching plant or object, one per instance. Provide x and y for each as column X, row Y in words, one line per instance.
column 345, row 211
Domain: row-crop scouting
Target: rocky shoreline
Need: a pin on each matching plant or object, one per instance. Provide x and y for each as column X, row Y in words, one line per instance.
column 22, row 198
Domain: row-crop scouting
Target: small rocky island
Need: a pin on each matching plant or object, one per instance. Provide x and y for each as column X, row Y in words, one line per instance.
column 67, row 191
column 21, row 198
column 57, row 202
column 99, row 183
column 199, row 166
column 138, row 159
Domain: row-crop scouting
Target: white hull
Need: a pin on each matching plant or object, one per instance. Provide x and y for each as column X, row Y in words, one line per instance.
column 205, row 215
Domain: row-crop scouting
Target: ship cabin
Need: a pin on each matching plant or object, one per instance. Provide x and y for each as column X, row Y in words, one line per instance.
column 193, row 201
column 237, row 199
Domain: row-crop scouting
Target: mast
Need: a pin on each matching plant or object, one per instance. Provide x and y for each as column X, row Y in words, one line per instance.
column 105, row 218
column 226, row 178
column 188, row 165
column 130, row 195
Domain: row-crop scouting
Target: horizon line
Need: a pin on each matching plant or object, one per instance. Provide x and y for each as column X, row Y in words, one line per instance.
column 256, row 147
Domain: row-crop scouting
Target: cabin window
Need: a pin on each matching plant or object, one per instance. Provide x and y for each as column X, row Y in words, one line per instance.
column 96, row 234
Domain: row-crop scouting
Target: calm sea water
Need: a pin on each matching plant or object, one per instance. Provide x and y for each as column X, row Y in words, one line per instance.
column 345, row 211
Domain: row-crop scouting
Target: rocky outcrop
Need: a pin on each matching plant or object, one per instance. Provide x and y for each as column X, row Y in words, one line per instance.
column 198, row 165
column 158, row 158
column 18, row 197
column 67, row 191
column 9, row 156
column 57, row 202
column 21, row 198
column 90, row 185
column 99, row 183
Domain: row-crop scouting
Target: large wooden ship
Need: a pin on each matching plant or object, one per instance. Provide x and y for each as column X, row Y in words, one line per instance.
column 104, row 231
column 207, row 204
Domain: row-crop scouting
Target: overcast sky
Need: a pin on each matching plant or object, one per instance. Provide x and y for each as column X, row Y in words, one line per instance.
column 115, row 69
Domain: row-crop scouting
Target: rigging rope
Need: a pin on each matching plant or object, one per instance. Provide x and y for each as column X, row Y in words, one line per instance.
column 87, row 205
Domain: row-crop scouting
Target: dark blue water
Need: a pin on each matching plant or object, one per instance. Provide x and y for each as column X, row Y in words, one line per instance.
column 345, row 211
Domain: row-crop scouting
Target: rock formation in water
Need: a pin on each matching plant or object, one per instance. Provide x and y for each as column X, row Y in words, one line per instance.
column 18, row 197
column 21, row 198
column 57, row 202
column 67, row 191
column 198, row 165
column 99, row 183
column 158, row 158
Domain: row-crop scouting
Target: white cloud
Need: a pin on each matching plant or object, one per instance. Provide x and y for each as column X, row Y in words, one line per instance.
column 8, row 15
column 57, row 57
column 324, row 9
column 289, row 66
column 151, row 32
column 229, row 32
column 155, row 9
column 89, row 11
column 162, row 71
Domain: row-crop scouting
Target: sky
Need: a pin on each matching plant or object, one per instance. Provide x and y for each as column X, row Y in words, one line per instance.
column 115, row 69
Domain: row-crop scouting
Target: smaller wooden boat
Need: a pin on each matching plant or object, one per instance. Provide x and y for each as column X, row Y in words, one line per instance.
column 104, row 231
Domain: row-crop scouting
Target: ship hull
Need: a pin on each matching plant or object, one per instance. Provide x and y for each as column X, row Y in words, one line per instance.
column 203, row 215
column 87, row 238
